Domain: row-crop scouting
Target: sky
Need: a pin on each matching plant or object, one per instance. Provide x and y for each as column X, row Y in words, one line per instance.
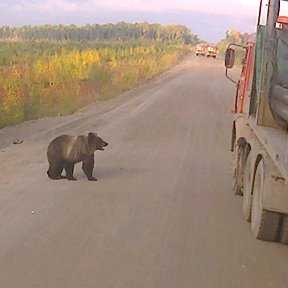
column 207, row 19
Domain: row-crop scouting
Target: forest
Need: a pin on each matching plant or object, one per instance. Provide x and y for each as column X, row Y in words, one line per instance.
column 55, row 70
column 121, row 31
column 234, row 36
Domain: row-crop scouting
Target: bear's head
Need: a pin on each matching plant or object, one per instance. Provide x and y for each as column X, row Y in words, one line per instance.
column 95, row 142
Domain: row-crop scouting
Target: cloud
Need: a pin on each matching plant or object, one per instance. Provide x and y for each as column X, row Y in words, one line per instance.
column 208, row 19
column 224, row 7
column 46, row 6
column 219, row 7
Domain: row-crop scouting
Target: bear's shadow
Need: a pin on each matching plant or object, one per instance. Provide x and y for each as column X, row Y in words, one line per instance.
column 109, row 172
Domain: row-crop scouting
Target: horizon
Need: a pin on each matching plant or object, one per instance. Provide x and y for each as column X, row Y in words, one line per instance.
column 209, row 22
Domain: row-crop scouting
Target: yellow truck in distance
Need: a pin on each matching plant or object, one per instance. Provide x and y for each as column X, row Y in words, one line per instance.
column 200, row 49
column 211, row 51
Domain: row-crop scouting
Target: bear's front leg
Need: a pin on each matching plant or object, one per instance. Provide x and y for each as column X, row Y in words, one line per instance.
column 69, row 167
column 88, row 166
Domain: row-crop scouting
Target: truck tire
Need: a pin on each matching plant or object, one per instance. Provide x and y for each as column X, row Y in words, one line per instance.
column 264, row 223
column 284, row 230
column 247, row 178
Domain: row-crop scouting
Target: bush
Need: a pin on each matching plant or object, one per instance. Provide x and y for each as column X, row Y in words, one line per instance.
column 59, row 79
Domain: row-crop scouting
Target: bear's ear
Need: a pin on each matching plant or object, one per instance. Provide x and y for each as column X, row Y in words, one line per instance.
column 91, row 134
column 91, row 137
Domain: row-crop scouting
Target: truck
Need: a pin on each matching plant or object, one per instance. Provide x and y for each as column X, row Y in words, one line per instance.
column 211, row 51
column 259, row 139
column 207, row 50
column 200, row 49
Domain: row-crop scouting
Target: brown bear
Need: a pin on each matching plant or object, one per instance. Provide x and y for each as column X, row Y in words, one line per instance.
column 65, row 150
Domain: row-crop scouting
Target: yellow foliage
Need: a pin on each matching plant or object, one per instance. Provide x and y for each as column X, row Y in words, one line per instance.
column 55, row 84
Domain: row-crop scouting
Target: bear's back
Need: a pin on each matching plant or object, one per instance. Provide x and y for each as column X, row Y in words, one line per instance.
column 60, row 147
column 68, row 148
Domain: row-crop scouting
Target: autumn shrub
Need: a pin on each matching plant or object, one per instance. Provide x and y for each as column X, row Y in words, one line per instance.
column 70, row 78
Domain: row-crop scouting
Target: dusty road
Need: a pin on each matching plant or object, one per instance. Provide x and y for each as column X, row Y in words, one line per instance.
column 162, row 214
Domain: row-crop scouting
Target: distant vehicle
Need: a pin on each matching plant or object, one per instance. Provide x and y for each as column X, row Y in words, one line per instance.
column 260, row 126
column 200, row 49
column 206, row 50
column 211, row 51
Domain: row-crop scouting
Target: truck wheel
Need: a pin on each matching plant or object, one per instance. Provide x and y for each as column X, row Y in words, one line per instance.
column 247, row 196
column 239, row 169
column 264, row 223
column 284, row 230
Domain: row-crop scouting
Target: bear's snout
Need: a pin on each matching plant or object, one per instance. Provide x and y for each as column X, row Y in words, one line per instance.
column 103, row 144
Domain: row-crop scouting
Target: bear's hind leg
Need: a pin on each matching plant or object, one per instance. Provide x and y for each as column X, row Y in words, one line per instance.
column 69, row 167
column 87, row 166
column 55, row 170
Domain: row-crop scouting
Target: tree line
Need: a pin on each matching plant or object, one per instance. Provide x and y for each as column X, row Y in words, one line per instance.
column 233, row 36
column 121, row 32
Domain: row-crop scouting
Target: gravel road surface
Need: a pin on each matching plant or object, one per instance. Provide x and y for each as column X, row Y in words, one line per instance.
column 162, row 214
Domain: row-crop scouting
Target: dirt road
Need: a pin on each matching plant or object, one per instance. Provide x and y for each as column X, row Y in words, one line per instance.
column 162, row 214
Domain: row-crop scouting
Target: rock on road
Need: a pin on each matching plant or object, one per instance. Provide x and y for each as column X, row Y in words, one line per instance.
column 162, row 214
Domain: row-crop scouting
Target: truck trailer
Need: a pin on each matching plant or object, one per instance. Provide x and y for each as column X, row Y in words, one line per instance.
column 260, row 124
